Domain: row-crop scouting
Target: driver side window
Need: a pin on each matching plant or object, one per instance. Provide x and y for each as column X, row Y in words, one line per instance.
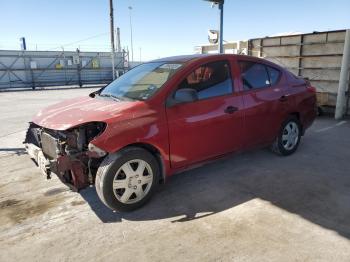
column 210, row 80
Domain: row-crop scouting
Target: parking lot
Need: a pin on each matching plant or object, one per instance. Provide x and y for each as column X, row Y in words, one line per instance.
column 254, row 206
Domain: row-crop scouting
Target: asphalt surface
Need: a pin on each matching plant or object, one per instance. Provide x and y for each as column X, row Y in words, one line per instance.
column 254, row 206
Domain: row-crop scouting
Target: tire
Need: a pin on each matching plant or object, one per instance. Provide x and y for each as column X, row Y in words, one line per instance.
column 288, row 138
column 127, row 179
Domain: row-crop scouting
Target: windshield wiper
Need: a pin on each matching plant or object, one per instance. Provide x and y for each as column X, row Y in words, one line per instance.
column 111, row 96
column 119, row 98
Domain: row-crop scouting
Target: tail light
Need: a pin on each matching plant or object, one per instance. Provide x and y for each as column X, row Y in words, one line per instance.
column 311, row 88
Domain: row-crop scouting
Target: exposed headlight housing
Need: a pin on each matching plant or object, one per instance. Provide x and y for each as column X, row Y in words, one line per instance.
column 80, row 137
column 96, row 151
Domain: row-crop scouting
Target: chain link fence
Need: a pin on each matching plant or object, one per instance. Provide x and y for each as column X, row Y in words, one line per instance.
column 32, row 69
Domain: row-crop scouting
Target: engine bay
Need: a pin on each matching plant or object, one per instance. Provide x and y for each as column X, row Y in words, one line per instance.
column 66, row 153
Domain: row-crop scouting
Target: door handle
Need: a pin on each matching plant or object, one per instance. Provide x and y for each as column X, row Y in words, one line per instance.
column 283, row 98
column 231, row 109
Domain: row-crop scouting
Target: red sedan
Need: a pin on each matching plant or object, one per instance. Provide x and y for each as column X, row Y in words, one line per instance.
column 165, row 115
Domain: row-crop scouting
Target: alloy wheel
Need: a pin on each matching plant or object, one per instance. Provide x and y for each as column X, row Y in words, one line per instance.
column 290, row 136
column 132, row 181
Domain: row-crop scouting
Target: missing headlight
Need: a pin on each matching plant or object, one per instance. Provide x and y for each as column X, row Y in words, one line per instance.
column 85, row 133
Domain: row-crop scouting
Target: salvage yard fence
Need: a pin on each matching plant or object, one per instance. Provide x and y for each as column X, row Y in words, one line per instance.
column 32, row 69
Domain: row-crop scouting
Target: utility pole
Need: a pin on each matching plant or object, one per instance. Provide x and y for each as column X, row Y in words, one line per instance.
column 132, row 45
column 118, row 40
column 112, row 36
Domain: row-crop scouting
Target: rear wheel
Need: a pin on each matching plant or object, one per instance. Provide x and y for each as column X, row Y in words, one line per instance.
column 288, row 138
column 126, row 180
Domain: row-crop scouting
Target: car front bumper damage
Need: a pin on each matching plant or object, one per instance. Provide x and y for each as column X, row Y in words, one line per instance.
column 59, row 153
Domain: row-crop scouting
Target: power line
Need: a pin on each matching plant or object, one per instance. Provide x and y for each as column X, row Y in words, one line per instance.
column 79, row 41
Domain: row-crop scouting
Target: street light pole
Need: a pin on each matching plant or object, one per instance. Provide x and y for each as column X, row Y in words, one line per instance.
column 131, row 42
column 221, row 38
column 112, row 36
column 220, row 4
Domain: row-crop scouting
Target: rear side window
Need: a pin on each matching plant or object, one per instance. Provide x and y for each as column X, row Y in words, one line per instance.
column 254, row 75
column 210, row 80
column 274, row 75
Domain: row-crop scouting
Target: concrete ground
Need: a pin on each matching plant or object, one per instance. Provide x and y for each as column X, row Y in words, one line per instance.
column 254, row 206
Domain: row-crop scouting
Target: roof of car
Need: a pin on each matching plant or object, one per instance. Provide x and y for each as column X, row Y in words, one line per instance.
column 180, row 58
column 188, row 58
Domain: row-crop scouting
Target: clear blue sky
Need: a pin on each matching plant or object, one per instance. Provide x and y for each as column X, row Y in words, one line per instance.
column 160, row 27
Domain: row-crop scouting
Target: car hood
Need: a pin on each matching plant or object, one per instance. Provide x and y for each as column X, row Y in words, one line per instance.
column 77, row 111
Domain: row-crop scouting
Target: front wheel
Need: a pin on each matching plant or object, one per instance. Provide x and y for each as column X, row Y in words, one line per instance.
column 288, row 138
column 126, row 180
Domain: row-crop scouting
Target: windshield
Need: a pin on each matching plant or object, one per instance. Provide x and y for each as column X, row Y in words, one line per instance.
column 141, row 82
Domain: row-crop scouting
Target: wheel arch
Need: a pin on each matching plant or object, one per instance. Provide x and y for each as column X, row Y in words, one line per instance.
column 297, row 116
column 156, row 153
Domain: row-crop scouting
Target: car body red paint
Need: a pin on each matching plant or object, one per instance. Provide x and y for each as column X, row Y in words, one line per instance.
column 190, row 133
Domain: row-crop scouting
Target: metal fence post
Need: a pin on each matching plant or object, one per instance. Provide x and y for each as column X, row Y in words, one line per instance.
column 79, row 69
column 31, row 74
column 65, row 67
column 28, row 68
column 79, row 76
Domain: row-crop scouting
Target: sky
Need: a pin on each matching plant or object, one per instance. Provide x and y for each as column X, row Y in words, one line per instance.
column 160, row 27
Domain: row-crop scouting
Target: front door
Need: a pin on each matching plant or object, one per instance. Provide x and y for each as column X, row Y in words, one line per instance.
column 210, row 126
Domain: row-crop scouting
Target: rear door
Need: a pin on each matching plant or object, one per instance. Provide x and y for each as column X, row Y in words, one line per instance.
column 211, row 126
column 265, row 101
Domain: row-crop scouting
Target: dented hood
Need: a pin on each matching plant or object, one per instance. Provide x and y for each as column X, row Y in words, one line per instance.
column 77, row 111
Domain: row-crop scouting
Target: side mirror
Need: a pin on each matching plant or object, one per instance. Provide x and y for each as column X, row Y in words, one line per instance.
column 93, row 94
column 186, row 95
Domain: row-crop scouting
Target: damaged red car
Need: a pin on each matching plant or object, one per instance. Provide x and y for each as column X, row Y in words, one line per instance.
column 166, row 115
